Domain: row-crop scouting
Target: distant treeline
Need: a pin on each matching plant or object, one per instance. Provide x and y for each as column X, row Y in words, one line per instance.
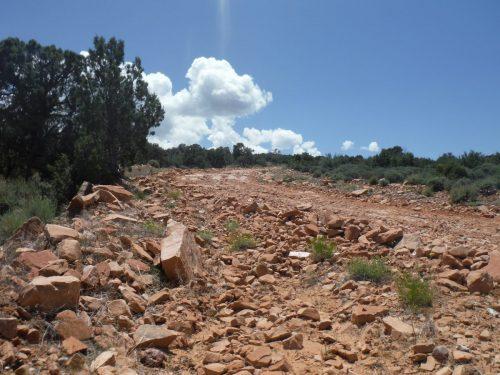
column 67, row 118
column 466, row 177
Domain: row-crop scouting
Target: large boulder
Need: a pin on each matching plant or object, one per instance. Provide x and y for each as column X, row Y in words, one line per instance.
column 180, row 256
column 51, row 293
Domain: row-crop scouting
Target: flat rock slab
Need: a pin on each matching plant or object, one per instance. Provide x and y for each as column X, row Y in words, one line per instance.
column 397, row 328
column 151, row 336
column 36, row 259
column 51, row 293
column 119, row 192
column 180, row 256
column 120, row 218
column 362, row 314
column 56, row 233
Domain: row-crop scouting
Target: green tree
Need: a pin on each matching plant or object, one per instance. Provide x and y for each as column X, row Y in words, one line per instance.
column 115, row 107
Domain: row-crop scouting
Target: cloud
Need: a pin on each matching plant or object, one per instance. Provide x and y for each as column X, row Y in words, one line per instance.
column 216, row 96
column 347, row 145
column 84, row 53
column 372, row 147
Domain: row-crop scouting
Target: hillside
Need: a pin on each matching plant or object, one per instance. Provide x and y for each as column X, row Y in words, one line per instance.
column 252, row 271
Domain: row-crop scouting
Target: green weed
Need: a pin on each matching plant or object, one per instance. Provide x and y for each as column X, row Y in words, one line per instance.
column 375, row 270
column 414, row 292
column 322, row 249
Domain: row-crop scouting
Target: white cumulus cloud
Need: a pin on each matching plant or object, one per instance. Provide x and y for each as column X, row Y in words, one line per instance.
column 347, row 145
column 372, row 147
column 208, row 107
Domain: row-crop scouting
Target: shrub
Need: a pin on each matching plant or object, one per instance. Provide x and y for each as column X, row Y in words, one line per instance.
column 486, row 187
column 242, row 241
column 232, row 225
column 428, row 192
column 375, row 270
column 20, row 200
column 436, row 184
column 415, row 179
column 174, row 194
column 154, row 163
column 414, row 292
column 463, row 193
column 394, row 176
column 153, row 227
column 322, row 249
column 383, row 182
column 373, row 180
column 140, row 194
column 205, row 235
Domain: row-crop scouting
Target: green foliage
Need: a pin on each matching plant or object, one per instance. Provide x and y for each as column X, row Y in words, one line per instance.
column 463, row 192
column 375, row 270
column 205, row 235
column 231, row 225
column 153, row 228
column 428, row 192
column 72, row 118
column 243, row 155
column 322, row 249
column 174, row 194
column 20, row 200
column 436, row 184
column 154, row 163
column 414, row 292
column 383, row 182
column 241, row 241
column 140, row 195
column 373, row 180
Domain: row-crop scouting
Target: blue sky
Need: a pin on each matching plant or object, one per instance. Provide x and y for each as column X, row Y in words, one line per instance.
column 421, row 74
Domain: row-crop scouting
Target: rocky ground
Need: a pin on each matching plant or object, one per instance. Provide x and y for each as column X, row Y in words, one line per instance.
column 144, row 280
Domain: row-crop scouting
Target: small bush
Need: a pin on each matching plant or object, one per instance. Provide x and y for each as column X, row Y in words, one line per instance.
column 154, row 163
column 486, row 187
column 232, row 225
column 20, row 200
column 153, row 227
column 383, row 182
column 415, row 179
column 394, row 176
column 436, row 184
column 375, row 270
column 242, row 241
column 174, row 194
column 463, row 193
column 10, row 221
column 205, row 235
column 373, row 180
column 414, row 292
column 322, row 249
column 140, row 195
column 428, row 192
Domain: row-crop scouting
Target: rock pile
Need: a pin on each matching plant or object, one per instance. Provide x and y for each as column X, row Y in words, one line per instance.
column 123, row 285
